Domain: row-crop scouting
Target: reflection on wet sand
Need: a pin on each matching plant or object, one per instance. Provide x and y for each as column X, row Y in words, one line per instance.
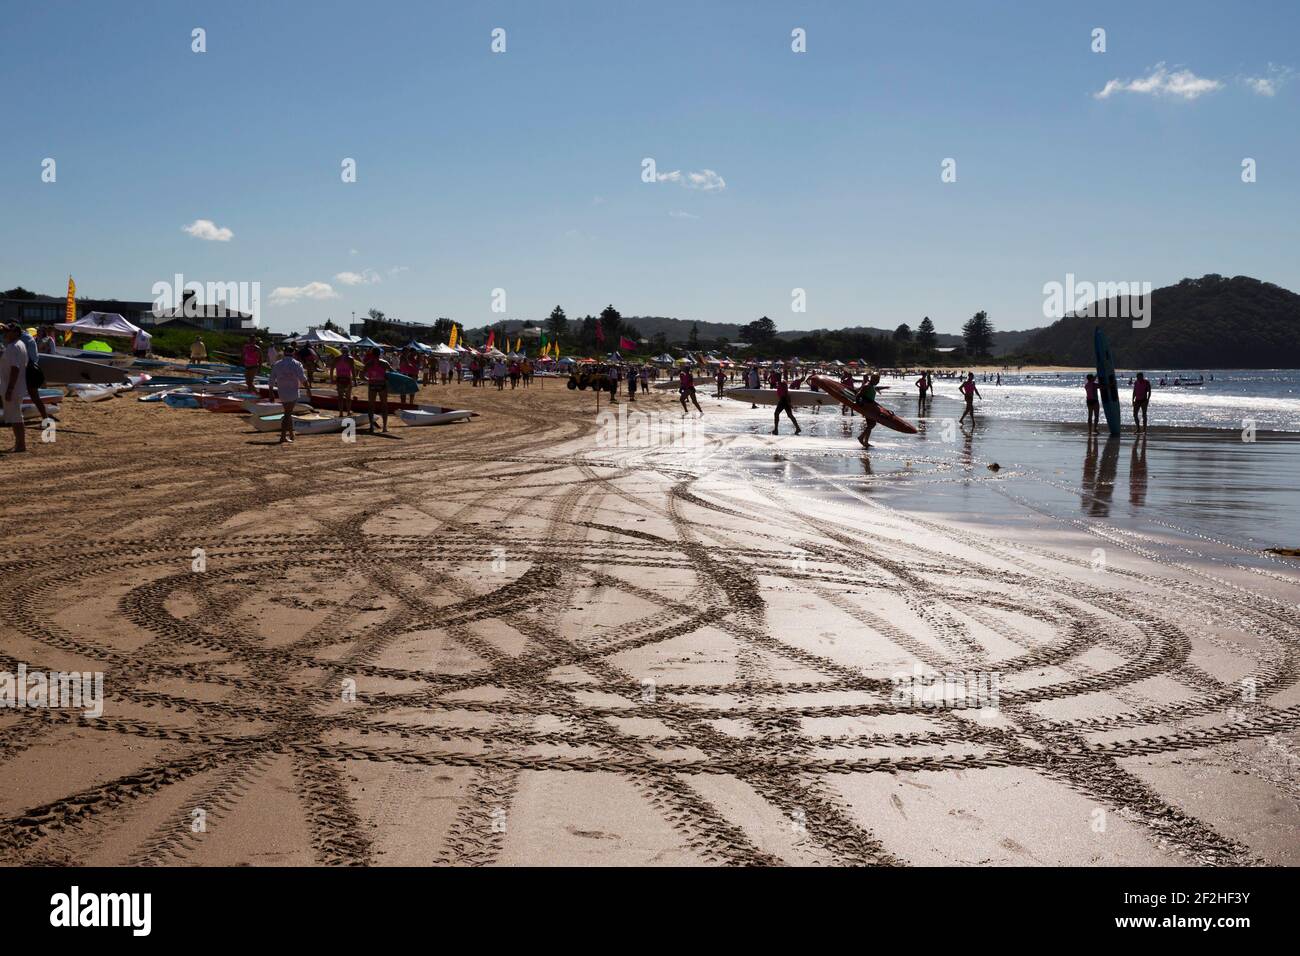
column 1099, row 484
column 1137, row 472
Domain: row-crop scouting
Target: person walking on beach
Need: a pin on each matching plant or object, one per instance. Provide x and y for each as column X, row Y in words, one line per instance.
column 645, row 379
column 198, row 351
column 344, row 375
column 969, row 389
column 13, row 383
column 631, row 384
column 33, row 377
column 783, row 404
column 1090, row 388
column 721, row 379
column 287, row 376
column 1141, row 399
column 686, row 390
column 922, row 385
column 376, row 372
column 252, row 358
column 867, row 397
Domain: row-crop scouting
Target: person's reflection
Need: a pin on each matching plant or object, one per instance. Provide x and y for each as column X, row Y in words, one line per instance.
column 1098, row 483
column 967, row 451
column 1137, row 472
column 1089, row 482
column 866, row 466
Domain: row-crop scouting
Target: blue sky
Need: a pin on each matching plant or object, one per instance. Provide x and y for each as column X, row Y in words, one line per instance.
column 522, row 170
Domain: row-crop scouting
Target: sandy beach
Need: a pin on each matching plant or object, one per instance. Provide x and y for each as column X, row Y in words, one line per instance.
column 534, row 639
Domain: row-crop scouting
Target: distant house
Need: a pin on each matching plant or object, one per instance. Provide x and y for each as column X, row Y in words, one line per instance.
column 47, row 309
column 207, row 318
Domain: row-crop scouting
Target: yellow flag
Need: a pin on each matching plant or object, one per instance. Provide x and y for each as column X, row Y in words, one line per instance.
column 518, row 342
column 70, row 315
column 451, row 342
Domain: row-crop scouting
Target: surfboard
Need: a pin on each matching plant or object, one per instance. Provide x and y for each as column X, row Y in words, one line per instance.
column 399, row 384
column 1108, row 388
column 799, row 398
column 881, row 416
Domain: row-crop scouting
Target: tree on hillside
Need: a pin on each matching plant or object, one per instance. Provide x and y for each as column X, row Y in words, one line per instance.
column 760, row 330
column 557, row 324
column 978, row 333
column 17, row 292
column 587, row 331
column 693, row 340
column 925, row 336
column 903, row 333
column 611, row 323
column 376, row 315
column 659, row 343
column 442, row 329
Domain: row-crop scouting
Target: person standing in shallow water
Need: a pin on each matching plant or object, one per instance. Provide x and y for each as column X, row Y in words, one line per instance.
column 686, row 390
column 783, row 404
column 1141, row 399
column 1090, row 389
column 969, row 389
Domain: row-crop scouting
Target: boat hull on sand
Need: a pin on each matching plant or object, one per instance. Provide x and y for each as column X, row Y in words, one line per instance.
column 302, row 424
column 430, row 416
column 881, row 416
column 62, row 370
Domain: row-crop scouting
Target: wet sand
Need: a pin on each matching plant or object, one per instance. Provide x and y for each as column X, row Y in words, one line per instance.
column 570, row 646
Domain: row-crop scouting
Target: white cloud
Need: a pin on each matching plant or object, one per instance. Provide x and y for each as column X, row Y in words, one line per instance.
column 207, row 229
column 1272, row 80
column 706, row 180
column 1183, row 84
column 680, row 214
column 283, row 295
column 364, row 277
column 398, row 270
column 353, row 252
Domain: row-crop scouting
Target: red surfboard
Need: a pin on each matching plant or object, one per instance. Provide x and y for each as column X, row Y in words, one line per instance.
column 881, row 416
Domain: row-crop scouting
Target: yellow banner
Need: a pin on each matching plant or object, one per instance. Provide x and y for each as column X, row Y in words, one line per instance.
column 70, row 315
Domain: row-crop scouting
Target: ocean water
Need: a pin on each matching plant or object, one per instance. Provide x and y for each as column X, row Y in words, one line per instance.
column 1196, row 475
column 1229, row 399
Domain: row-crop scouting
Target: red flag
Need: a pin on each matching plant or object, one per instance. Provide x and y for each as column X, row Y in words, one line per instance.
column 491, row 338
column 600, row 332
column 626, row 344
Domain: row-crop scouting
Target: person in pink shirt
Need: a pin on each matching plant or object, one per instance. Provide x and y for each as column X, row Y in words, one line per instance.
column 409, row 365
column 969, row 389
column 376, row 373
column 1090, row 389
column 344, row 374
column 686, row 390
column 252, row 356
column 1141, row 399
column 783, row 405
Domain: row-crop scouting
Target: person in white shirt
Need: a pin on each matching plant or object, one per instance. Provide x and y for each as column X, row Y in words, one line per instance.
column 198, row 351
column 142, row 343
column 287, row 376
column 13, row 384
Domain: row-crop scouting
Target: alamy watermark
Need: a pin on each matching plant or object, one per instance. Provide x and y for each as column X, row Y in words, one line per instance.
column 53, row 690
column 1098, row 300
column 217, row 300
column 959, row 689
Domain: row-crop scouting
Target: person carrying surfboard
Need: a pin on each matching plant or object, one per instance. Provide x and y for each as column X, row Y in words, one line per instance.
column 783, row 405
column 969, row 389
column 922, row 384
column 867, row 396
column 1141, row 399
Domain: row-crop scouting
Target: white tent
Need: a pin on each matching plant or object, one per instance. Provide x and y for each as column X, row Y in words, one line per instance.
column 442, row 348
column 325, row 336
column 101, row 323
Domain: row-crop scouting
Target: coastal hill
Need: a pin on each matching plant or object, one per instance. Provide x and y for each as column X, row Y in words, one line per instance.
column 1210, row 322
